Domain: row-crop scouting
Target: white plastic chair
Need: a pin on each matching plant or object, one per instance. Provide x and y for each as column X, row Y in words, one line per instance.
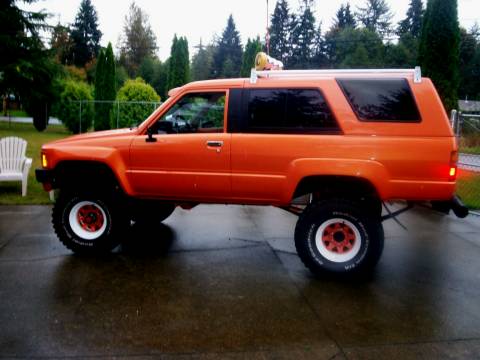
column 14, row 165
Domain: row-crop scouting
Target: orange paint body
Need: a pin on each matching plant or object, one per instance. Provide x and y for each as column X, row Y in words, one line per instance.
column 409, row 161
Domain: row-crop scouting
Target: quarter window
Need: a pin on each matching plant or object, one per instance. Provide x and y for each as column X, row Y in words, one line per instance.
column 387, row 100
column 288, row 110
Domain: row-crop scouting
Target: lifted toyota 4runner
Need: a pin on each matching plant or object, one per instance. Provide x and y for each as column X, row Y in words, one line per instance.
column 344, row 141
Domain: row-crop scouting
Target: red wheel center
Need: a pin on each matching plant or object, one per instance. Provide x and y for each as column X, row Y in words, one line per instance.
column 338, row 238
column 90, row 218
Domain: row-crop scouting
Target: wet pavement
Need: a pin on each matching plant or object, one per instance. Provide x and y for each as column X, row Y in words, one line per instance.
column 225, row 282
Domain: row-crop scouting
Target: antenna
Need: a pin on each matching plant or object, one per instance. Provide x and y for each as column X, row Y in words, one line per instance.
column 267, row 38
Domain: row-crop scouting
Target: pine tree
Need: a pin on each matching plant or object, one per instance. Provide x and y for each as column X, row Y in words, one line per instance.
column 440, row 47
column 61, row 43
column 303, row 37
column 344, row 18
column 376, row 16
column 138, row 40
column 202, row 62
column 105, row 88
column 252, row 48
column 319, row 58
column 412, row 24
column 228, row 54
column 85, row 34
column 280, row 31
column 179, row 64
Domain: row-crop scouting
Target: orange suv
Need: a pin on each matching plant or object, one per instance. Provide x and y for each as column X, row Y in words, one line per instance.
column 339, row 143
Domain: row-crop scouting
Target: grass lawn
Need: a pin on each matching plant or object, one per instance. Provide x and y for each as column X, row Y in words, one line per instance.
column 11, row 192
column 470, row 150
column 468, row 187
column 18, row 113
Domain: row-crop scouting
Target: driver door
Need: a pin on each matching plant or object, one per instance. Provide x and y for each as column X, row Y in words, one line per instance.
column 190, row 156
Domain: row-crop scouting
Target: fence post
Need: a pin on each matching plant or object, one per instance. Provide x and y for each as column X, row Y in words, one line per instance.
column 118, row 112
column 459, row 125
column 80, row 126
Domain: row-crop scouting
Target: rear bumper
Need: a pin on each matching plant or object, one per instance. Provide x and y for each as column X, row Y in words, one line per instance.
column 454, row 204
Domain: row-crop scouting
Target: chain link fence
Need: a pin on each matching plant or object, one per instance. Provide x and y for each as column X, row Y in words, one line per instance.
column 467, row 130
column 121, row 113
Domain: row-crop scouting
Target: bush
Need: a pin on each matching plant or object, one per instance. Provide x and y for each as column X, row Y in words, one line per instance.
column 133, row 114
column 69, row 108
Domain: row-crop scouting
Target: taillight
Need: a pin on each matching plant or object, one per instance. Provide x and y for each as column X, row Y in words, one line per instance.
column 452, row 175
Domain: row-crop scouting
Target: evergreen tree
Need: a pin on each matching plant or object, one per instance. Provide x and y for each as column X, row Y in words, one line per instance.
column 469, row 65
column 344, row 18
column 440, row 47
column 179, row 64
column 252, row 48
column 160, row 74
column 376, row 16
column 105, row 88
column 319, row 59
column 26, row 68
column 202, row 62
column 138, row 41
column 228, row 54
column 61, row 43
column 280, row 31
column 147, row 69
column 412, row 24
column 85, row 34
column 303, row 37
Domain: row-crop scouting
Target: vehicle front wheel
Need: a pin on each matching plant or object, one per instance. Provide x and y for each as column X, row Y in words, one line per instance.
column 88, row 223
column 336, row 237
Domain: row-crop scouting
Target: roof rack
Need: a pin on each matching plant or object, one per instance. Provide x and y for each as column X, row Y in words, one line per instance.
column 255, row 74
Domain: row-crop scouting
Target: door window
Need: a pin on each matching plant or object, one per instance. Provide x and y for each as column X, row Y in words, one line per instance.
column 194, row 113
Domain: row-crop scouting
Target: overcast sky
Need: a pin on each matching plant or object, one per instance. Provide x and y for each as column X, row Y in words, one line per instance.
column 202, row 19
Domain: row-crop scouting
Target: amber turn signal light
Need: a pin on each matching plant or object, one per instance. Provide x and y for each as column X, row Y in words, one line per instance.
column 44, row 161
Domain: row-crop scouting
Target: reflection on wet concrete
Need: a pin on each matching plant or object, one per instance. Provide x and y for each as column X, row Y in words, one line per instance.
column 225, row 282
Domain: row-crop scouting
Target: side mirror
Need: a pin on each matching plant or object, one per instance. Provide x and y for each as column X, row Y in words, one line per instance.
column 150, row 137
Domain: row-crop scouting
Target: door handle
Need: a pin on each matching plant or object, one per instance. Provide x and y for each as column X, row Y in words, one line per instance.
column 214, row 143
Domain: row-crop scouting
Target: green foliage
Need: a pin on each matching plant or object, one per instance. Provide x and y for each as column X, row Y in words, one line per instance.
column 160, row 76
column 344, row 18
column 85, row 34
column 252, row 48
column 202, row 62
column 469, row 65
column 228, row 53
column 303, row 36
column 120, row 76
column 61, row 44
column 69, row 109
column 133, row 114
column 440, row 48
column 344, row 45
column 376, row 16
column 179, row 64
column 412, row 24
column 280, row 32
column 26, row 68
column 138, row 41
column 105, row 88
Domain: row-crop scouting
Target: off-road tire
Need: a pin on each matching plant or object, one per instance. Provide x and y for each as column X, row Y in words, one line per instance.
column 339, row 237
column 76, row 235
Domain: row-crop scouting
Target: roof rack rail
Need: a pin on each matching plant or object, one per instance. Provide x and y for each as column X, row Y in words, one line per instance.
column 255, row 74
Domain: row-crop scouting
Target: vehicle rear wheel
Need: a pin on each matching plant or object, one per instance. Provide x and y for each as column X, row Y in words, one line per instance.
column 336, row 236
column 88, row 223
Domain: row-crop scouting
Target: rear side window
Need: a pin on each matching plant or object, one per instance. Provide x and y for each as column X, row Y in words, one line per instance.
column 288, row 110
column 382, row 100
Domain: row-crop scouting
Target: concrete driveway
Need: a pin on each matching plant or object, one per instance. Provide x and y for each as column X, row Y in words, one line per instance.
column 225, row 282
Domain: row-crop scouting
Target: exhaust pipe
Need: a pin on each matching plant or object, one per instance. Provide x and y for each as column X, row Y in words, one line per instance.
column 458, row 208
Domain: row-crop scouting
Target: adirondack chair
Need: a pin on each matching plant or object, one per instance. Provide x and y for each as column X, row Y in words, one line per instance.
column 14, row 165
